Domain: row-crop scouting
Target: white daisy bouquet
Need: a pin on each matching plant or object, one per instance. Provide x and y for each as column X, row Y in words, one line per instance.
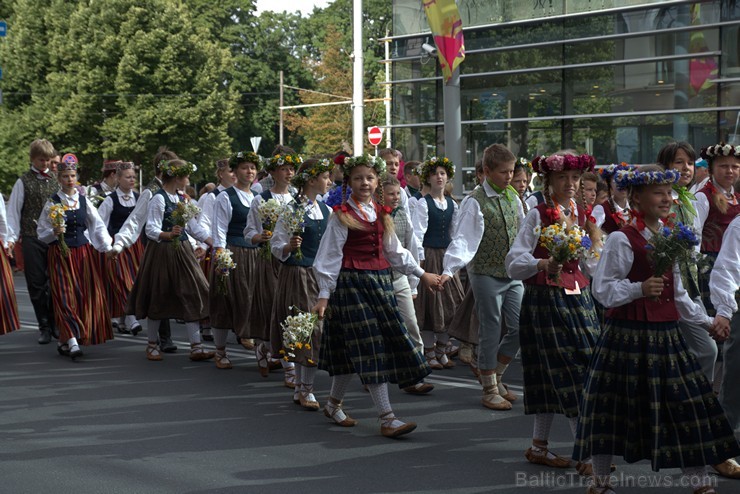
column 564, row 244
column 223, row 266
column 293, row 219
column 183, row 213
column 297, row 331
column 58, row 218
column 269, row 212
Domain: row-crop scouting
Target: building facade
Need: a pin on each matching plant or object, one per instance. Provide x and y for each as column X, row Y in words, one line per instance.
column 617, row 79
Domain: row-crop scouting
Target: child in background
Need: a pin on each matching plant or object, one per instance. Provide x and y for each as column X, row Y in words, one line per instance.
column 614, row 213
column 522, row 176
column 9, row 313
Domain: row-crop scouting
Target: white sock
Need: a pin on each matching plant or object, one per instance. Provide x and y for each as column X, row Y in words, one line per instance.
column 72, row 342
column 501, row 368
column 542, row 426
column 379, row 393
column 286, row 364
column 339, row 385
column 219, row 337
column 152, row 330
column 308, row 374
column 130, row 321
column 193, row 330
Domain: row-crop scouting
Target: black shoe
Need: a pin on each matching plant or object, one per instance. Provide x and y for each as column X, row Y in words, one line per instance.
column 136, row 329
column 63, row 350
column 167, row 346
column 121, row 328
column 45, row 337
column 76, row 353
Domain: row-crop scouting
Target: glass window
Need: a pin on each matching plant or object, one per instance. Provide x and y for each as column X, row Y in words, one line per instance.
column 417, row 102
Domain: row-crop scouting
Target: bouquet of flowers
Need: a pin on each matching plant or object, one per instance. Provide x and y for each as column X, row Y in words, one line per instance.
column 297, row 331
column 183, row 213
column 224, row 265
column 671, row 245
column 95, row 199
column 293, row 218
column 564, row 244
column 58, row 218
column 269, row 213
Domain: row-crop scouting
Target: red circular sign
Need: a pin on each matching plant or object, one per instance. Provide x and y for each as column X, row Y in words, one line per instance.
column 374, row 135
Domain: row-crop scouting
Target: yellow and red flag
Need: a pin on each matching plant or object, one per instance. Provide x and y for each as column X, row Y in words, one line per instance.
column 446, row 25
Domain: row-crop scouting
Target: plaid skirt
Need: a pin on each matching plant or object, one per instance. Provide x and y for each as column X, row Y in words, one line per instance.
column 120, row 276
column 8, row 305
column 557, row 333
column 435, row 310
column 296, row 287
column 231, row 310
column 646, row 398
column 364, row 332
column 77, row 295
column 465, row 324
column 170, row 284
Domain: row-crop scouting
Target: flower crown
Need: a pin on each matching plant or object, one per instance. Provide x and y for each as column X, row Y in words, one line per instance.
column 525, row 164
column 283, row 159
column 431, row 164
column 375, row 162
column 608, row 172
column 323, row 165
column 720, row 149
column 633, row 178
column 560, row 162
column 172, row 168
column 246, row 157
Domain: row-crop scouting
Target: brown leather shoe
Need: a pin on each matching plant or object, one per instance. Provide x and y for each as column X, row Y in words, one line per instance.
column 153, row 354
column 337, row 406
column 541, row 458
column 199, row 354
column 419, row 388
column 222, row 361
column 728, row 468
column 388, row 431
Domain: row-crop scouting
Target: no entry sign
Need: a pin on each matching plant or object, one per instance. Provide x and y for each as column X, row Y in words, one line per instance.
column 374, row 135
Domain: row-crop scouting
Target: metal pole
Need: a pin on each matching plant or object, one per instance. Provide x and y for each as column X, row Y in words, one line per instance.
column 453, row 129
column 357, row 80
column 281, row 107
column 387, row 91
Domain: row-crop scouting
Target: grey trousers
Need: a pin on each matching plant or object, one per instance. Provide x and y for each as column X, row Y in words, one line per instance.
column 729, row 394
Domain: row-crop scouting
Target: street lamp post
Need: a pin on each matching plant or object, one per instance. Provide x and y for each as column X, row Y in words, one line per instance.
column 357, row 81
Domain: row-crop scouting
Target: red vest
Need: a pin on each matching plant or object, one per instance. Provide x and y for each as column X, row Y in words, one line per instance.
column 363, row 249
column 571, row 272
column 610, row 224
column 645, row 309
column 716, row 223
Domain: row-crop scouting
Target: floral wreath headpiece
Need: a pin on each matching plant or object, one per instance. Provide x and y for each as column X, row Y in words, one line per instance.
column 431, row 164
column 608, row 172
column 246, row 157
column 323, row 165
column 125, row 165
column 283, row 159
column 561, row 162
column 635, row 178
column 172, row 169
column 375, row 162
column 525, row 164
column 69, row 162
column 721, row 149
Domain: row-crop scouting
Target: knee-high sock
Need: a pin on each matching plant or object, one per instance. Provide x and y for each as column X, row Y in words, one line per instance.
column 219, row 337
column 193, row 330
column 339, row 385
column 379, row 393
column 308, row 374
column 130, row 321
column 152, row 330
column 542, row 426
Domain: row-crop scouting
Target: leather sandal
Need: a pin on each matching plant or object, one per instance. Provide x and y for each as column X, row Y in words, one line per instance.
column 307, row 399
column 432, row 359
column 247, row 343
column 289, row 379
column 439, row 352
column 541, row 458
column 222, row 361
column 198, row 353
column 337, row 407
column 153, row 353
column 587, row 469
column 504, row 391
column 728, row 468
column 390, row 431
column 262, row 365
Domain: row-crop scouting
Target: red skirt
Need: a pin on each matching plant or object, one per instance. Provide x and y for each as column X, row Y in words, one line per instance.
column 78, row 295
column 121, row 275
column 8, row 306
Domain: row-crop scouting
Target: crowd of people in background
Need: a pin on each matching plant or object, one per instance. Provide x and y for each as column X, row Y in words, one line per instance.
column 368, row 266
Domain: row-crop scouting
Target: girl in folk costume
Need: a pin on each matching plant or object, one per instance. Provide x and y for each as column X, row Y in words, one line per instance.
column 8, row 305
column 558, row 326
column 488, row 223
column 121, row 273
column 364, row 332
column 614, row 213
column 282, row 167
column 590, row 186
column 295, row 245
column 230, row 310
column 520, row 181
column 645, row 397
column 680, row 156
column 435, row 214
column 171, row 284
column 80, row 311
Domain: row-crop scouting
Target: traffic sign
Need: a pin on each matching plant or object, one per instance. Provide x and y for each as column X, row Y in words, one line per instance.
column 3, row 29
column 255, row 143
column 374, row 135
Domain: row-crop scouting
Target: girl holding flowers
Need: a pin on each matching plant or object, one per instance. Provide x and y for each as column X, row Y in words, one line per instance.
column 8, row 305
column 434, row 216
column 364, row 332
column 558, row 326
column 645, row 397
column 614, row 213
column 171, row 284
column 230, row 307
column 70, row 225
column 295, row 243
column 263, row 215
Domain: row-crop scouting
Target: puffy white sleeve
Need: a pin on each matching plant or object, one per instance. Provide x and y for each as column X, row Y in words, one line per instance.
column 531, row 201
column 43, row 226
column 520, row 261
column 702, row 212
column 222, row 212
column 155, row 214
column 328, row 260
column 3, row 223
column 421, row 220
column 280, row 238
column 610, row 285
column 254, row 225
column 15, row 206
column 97, row 231
column 724, row 280
column 106, row 208
column 399, row 258
column 467, row 233
column 131, row 229
column 599, row 215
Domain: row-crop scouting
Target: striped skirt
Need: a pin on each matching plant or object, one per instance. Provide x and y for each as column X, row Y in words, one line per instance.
column 231, row 310
column 8, row 305
column 557, row 333
column 364, row 332
column 646, row 398
column 265, row 282
column 120, row 277
column 435, row 310
column 78, row 296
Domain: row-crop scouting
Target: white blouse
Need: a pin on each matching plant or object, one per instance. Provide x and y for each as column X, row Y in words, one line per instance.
column 3, row 224
column 206, row 204
column 468, row 232
column 328, row 260
column 106, row 207
column 131, row 229
column 281, row 236
column 96, row 233
column 155, row 215
column 611, row 287
column 254, row 225
column 724, row 280
column 599, row 213
column 222, row 211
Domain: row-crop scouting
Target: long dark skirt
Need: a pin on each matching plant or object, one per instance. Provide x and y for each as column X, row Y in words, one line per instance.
column 364, row 332
column 435, row 310
column 265, row 282
column 231, row 310
column 646, row 398
column 557, row 333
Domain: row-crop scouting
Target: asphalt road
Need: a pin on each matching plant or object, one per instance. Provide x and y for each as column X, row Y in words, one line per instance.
column 115, row 423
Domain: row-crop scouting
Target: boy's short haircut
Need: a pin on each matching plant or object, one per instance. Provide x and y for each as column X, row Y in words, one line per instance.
column 590, row 177
column 42, row 148
column 495, row 155
column 390, row 181
column 479, row 166
column 280, row 149
column 389, row 152
column 409, row 167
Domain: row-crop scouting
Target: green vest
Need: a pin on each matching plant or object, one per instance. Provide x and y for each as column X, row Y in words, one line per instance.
column 35, row 194
column 689, row 271
column 501, row 224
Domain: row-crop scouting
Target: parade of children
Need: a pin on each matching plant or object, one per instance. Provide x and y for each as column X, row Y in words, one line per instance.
column 596, row 302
